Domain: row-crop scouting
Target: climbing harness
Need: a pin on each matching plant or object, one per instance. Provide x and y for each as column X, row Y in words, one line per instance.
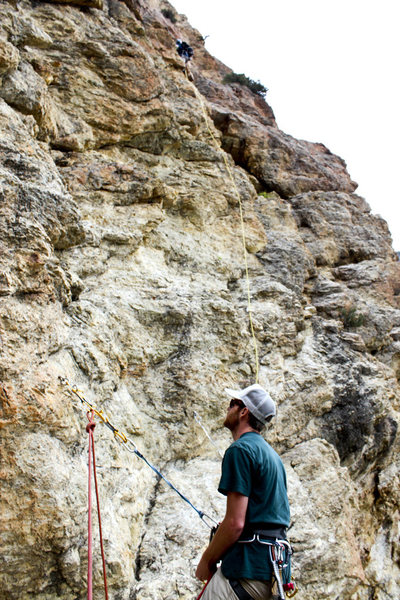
column 249, row 305
column 92, row 461
column 280, row 554
column 198, row 420
column 131, row 447
column 239, row 590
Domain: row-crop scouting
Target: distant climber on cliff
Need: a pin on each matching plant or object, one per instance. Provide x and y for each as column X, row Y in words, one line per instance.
column 186, row 52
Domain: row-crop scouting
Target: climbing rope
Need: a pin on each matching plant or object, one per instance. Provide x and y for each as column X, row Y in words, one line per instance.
column 204, row 588
column 223, row 154
column 131, row 447
column 92, row 460
column 197, row 418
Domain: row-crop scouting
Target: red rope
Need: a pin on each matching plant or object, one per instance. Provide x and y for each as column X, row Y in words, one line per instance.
column 90, row 428
column 204, row 589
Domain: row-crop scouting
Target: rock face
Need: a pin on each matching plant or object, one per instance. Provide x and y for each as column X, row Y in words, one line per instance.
column 122, row 269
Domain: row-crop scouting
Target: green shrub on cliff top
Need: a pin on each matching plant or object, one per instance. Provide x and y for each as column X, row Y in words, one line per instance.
column 254, row 86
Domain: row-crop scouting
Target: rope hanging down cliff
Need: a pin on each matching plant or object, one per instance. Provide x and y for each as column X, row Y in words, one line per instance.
column 131, row 447
column 92, row 461
column 229, row 170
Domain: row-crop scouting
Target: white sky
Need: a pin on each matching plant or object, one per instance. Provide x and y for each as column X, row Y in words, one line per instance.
column 332, row 71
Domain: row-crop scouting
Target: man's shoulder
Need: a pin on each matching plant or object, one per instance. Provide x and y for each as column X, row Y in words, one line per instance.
column 250, row 442
column 254, row 445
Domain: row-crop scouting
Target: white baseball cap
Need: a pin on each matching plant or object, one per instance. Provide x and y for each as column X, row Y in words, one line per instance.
column 257, row 400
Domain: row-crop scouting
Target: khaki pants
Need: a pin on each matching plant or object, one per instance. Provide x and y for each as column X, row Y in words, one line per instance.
column 219, row 588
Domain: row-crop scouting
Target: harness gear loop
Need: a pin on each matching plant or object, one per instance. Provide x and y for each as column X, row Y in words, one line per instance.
column 246, row 266
column 132, row 448
column 92, row 458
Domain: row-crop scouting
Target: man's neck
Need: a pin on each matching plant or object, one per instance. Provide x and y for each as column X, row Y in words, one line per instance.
column 241, row 429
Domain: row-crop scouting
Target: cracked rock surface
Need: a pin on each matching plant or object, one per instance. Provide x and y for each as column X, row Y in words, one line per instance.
column 122, row 269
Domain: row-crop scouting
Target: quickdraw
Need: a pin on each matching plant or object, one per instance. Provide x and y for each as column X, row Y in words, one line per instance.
column 121, row 437
column 276, row 557
column 277, row 552
column 131, row 447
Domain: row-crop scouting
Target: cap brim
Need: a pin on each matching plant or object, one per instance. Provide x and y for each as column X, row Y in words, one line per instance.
column 233, row 393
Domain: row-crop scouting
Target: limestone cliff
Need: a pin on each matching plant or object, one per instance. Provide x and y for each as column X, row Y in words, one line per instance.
column 122, row 269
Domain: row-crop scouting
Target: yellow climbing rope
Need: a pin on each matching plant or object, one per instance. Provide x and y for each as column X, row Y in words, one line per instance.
column 223, row 154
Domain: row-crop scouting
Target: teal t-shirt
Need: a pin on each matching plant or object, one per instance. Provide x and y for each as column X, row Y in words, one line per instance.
column 252, row 468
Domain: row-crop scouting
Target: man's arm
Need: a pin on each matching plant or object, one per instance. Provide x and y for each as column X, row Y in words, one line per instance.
column 227, row 534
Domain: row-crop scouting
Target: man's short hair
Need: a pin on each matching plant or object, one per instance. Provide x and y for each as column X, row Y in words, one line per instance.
column 255, row 423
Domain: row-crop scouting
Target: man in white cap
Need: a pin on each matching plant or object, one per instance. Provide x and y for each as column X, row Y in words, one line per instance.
column 257, row 510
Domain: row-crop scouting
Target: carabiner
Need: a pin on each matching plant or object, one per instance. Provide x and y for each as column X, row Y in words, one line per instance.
column 204, row 516
column 286, row 589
